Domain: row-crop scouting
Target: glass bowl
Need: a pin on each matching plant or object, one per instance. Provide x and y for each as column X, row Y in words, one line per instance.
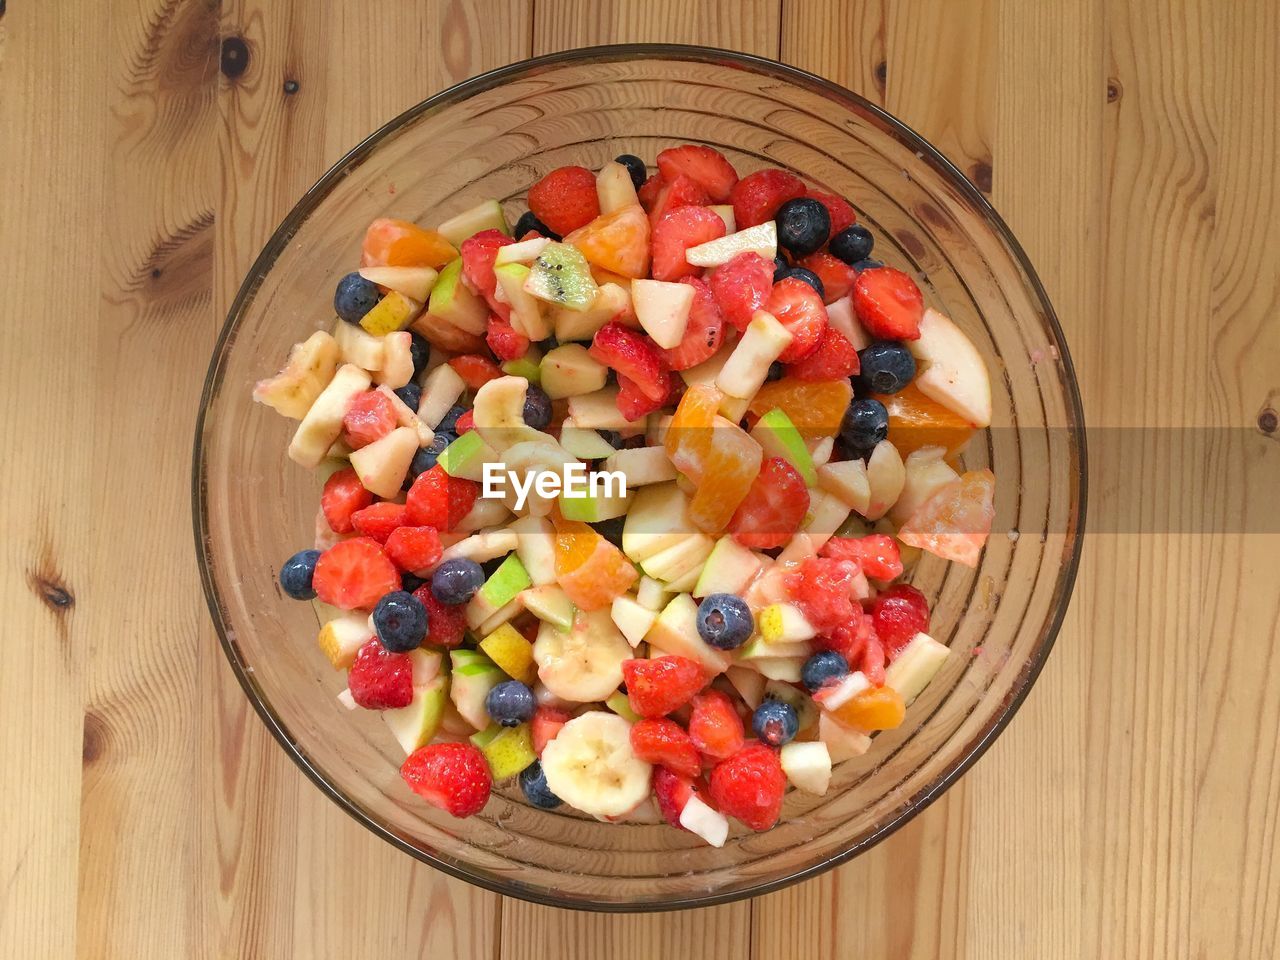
column 493, row 136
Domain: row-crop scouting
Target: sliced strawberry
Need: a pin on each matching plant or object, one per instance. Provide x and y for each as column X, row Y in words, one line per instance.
column 504, row 341
column 342, row 496
column 798, row 308
column 661, row 741
column 676, row 232
column 773, row 509
column 633, row 355
column 707, row 167
column 478, row 253
column 842, row 214
column 475, row 370
column 673, row 791
column 544, row 726
column 649, row 191
column 742, row 286
column 446, row 625
column 714, row 726
column 465, row 423
column 850, row 638
column 704, row 331
column 377, row 520
column 439, row 500
column 757, row 196
column 749, row 786
column 837, row 276
column 679, row 191
column 565, row 199
column 898, row 614
column 380, row 679
column 823, row 589
column 634, row 403
column 656, row 687
column 371, row 416
column 877, row 554
column 888, row 303
column 414, row 548
column 354, row 575
column 834, row 359
column 452, row 776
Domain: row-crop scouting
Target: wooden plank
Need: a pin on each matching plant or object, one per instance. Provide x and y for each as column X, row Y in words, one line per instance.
column 751, row 25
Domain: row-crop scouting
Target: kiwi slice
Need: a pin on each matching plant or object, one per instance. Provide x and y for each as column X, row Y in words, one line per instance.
column 561, row 275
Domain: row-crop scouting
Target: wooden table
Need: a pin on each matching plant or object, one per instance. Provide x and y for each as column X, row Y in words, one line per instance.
column 148, row 147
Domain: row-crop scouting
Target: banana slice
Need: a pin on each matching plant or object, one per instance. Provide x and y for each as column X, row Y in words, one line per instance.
column 498, row 413
column 584, row 664
column 590, row 765
column 306, row 373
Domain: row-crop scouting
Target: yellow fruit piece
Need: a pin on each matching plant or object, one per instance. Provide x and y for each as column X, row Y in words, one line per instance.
column 877, row 708
column 512, row 652
column 341, row 639
column 392, row 313
column 769, row 621
column 509, row 752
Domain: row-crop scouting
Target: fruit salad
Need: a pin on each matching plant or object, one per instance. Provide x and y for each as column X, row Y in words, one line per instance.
column 788, row 417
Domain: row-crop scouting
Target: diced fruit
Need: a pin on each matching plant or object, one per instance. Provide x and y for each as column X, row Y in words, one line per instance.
column 714, row 726
column 676, row 232
column 393, row 312
column 731, row 465
column 729, row 569
column 478, row 254
column 888, row 303
column 322, row 424
column 640, row 465
column 592, row 767
column 414, row 282
column 383, row 464
column 452, row 304
column 837, row 276
column 512, row 652
column 799, row 308
column 618, row 241
column 397, row 360
column 876, row 554
column 598, row 410
column 704, row 165
column 955, row 521
column 416, row 724
column 840, row 316
column 358, row 346
column 815, row 409
column 761, row 239
column 505, row 582
column 838, row 209
column 614, row 188
column 634, row 357
column 773, row 509
column 690, row 552
column 674, row 794
column 527, row 312
column 378, row 520
column 485, row 215
column 742, row 286
column 676, row 633
column 354, row 575
column 342, row 496
column 750, row 786
column 508, row 752
column 673, row 193
column 757, row 196
column 877, row 708
column 834, row 359
column 660, row 741
column 523, row 251
column 662, row 309
column 369, row 417
column 915, row 665
column 785, row 623
column 473, row 675
column 703, row 332
column 398, row 243
column 843, row 743
column 632, row 619
column 765, row 340
column 725, row 212
column 807, row 766
column 565, row 199
column 308, row 370
column 505, row 342
column 550, row 604
column 633, row 401
column 546, row 723
column 847, row 479
column 452, row 776
column 342, row 637
column 952, row 372
column 379, row 679
column 822, row 589
column 778, row 437
column 612, row 302
column 591, row 570
column 440, row 391
column 439, row 500
column 570, row 370
column 561, row 276
column 916, row 421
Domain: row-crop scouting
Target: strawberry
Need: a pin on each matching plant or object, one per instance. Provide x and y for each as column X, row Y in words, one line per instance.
column 504, row 341
column 478, row 253
column 704, row 331
column 715, row 727
column 544, row 726
column 446, row 625
column 708, row 168
column 439, row 500
column 634, row 356
column 837, row 276
column 798, row 308
column 380, row 679
column 749, row 786
column 878, row 555
column 371, row 416
column 342, row 496
column 842, row 215
column 414, row 548
column 898, row 614
column 377, row 520
column 649, row 190
column 679, row 191
column 757, row 196
column 676, row 232
column 465, row 423
column 672, row 791
column 773, row 508
column 661, row 741
column 565, row 199
column 634, row 403
column 475, row 370
column 354, row 575
column 452, row 776
column 742, row 286
column 834, row 359
column 656, row 687
column 822, row 588
column 888, row 303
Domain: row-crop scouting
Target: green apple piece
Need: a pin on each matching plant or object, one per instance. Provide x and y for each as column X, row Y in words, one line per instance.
column 847, row 479
column 781, row 623
column 725, row 212
column 619, row 704
column 550, row 604
column 357, row 346
column 561, row 275
column 322, row 423
column 393, row 312
column 535, row 546
column 482, row 546
column 757, row 648
column 526, row 367
column 527, row 311
column 569, row 371
column 440, row 391
column 708, row 370
column 799, row 701
column 781, row 668
column 807, row 766
column 524, row 251
column 632, row 619
column 749, row 684
column 504, row 614
column 663, row 309
column 415, row 725
column 641, row 466
column 658, row 519
column 924, row 473
column 454, row 304
column 466, row 457
column 614, row 187
column 729, row 568
column 472, row 677
column 746, row 369
column 826, row 513
column 485, row 215
column 599, row 410
column 482, row 738
column 583, row 443
column 650, row 593
column 778, row 437
column 383, row 464
column 453, row 722
column 676, row 632
column 915, row 666
column 505, row 582
column 611, row 300
column 591, row 508
column 675, row 561
column 508, row 751
column 951, row 371
column 414, row 282
column 306, row 372
column 843, row 743
column 841, row 317
column 761, row 239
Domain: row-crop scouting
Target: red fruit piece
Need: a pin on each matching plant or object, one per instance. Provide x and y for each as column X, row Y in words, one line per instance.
column 649, row 190
column 714, row 726
column 465, row 423
column 656, row 687
column 798, row 308
column 545, row 725
column 342, row 496
column 414, row 548
column 377, row 520
column 380, row 679
column 452, row 776
column 773, row 508
column 834, row 359
column 446, row 625
column 888, row 303
column 878, row 555
column 565, row 199
column 661, row 741
column 898, row 614
column 439, row 500
column 504, row 341
column 676, row 232
column 354, row 575
column 742, row 286
column 704, row 331
column 842, row 214
column 822, row 588
column 634, row 356
column 679, row 191
column 850, row 639
column 672, row 791
column 370, row 417
column 749, row 786
column 707, row 167
column 757, row 196
column 475, row 370
column 837, row 276
column 478, row 253
column 634, row 403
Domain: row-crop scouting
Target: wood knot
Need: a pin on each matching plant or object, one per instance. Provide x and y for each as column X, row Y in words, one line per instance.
column 980, row 174
column 1267, row 421
column 234, row 60
column 93, row 742
column 881, row 72
column 1114, row 90
column 291, row 87
column 53, row 593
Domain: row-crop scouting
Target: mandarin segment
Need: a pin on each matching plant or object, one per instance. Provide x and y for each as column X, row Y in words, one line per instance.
column 732, row 464
column 617, row 242
column 915, row 421
column 399, row 243
column 816, row 408
column 590, row 569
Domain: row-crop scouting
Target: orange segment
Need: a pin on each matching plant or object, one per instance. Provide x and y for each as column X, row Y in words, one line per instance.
column 816, row 408
column 399, row 243
column 877, row 708
column 915, row 421
column 689, row 433
column 955, row 521
column 617, row 241
column 732, row 463
column 590, row 569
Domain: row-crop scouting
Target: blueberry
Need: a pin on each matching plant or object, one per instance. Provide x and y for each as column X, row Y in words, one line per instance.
column 529, row 223
column 400, row 621
column 724, row 621
column 775, row 723
column 533, row 781
column 852, row 244
column 809, row 277
column 780, row 267
column 549, row 344
column 420, row 350
column 611, row 530
column 510, row 703
column 823, row 669
column 450, row 419
column 776, row 371
column 635, row 166
column 296, row 574
column 427, row 456
column 847, row 451
column 411, row 394
column 865, row 424
column 355, row 297
column 612, row 437
column 887, row 367
column 409, row 582
column 803, row 225
column 456, row 581
column 866, row 265
column 537, row 408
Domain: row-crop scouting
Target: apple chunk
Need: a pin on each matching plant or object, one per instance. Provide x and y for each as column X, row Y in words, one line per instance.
column 952, row 371
column 662, row 309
